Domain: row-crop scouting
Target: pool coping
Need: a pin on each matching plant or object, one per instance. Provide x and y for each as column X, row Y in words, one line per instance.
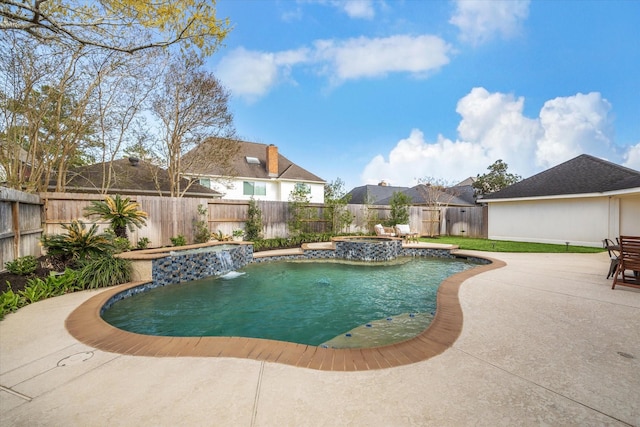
column 86, row 325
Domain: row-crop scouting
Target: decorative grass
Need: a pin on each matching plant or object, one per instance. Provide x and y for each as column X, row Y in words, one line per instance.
column 509, row 246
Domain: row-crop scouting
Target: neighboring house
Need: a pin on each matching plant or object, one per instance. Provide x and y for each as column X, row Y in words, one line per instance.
column 372, row 194
column 130, row 177
column 581, row 201
column 458, row 195
column 261, row 172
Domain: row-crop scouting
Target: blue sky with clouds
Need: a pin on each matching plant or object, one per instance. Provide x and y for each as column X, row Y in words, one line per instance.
column 369, row 90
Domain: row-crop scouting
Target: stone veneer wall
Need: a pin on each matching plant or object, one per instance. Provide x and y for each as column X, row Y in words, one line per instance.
column 185, row 268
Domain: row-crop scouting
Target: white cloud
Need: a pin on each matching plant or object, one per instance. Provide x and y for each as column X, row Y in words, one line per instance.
column 251, row 74
column 480, row 21
column 632, row 157
column 358, row 8
column 365, row 57
column 414, row 158
column 572, row 126
column 494, row 127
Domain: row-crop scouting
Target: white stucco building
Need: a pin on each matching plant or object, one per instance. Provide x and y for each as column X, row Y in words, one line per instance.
column 581, row 201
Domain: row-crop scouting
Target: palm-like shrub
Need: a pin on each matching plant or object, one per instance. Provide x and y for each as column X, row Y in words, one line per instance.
column 121, row 213
column 77, row 243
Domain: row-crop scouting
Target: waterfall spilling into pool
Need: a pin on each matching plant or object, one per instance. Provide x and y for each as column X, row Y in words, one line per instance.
column 198, row 263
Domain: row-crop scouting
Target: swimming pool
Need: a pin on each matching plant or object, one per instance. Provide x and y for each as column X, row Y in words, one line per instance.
column 311, row 303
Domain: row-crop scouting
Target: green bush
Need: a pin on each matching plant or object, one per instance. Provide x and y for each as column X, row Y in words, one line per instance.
column 22, row 266
column 143, row 243
column 37, row 289
column 290, row 242
column 9, row 302
column 121, row 244
column 178, row 240
column 201, row 233
column 253, row 226
column 104, row 271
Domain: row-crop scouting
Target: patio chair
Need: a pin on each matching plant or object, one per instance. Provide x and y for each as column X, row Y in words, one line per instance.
column 614, row 255
column 404, row 231
column 628, row 261
column 382, row 231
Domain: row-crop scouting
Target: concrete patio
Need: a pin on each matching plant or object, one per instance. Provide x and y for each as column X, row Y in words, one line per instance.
column 545, row 341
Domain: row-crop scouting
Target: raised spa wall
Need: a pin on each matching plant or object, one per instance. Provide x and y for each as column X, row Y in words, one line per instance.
column 165, row 266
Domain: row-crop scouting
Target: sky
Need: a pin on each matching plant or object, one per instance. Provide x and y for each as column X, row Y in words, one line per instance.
column 407, row 91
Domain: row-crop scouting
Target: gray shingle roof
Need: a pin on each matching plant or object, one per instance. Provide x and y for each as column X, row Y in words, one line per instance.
column 451, row 196
column 581, row 175
column 372, row 194
column 126, row 178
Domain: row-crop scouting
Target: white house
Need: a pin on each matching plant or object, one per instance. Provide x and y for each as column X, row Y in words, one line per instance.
column 581, row 201
column 261, row 172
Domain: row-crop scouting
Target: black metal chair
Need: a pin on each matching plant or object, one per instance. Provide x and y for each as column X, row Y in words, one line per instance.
column 614, row 255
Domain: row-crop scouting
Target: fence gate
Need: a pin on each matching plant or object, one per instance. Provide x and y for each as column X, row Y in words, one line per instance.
column 430, row 222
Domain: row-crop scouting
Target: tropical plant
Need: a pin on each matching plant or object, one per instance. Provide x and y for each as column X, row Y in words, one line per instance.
column 22, row 266
column 77, row 243
column 253, row 226
column 104, row 271
column 120, row 212
column 220, row 236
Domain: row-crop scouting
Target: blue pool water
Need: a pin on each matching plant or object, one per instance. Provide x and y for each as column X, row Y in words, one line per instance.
column 301, row 302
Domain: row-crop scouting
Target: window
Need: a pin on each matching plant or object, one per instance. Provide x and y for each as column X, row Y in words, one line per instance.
column 254, row 188
column 206, row 182
column 253, row 160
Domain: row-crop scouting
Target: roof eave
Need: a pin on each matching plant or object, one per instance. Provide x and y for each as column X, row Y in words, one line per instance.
column 626, row 191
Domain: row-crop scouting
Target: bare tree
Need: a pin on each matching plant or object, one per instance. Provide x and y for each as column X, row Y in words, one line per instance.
column 47, row 123
column 191, row 106
column 436, row 194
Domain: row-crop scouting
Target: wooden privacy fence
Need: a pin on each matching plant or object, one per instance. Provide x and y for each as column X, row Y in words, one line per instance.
column 24, row 217
column 20, row 225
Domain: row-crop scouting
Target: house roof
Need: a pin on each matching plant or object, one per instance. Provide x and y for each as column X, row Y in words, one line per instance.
column 372, row 194
column 130, row 177
column 241, row 168
column 462, row 195
column 581, row 175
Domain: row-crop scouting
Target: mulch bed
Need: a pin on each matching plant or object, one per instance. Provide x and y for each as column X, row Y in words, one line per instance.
column 19, row 282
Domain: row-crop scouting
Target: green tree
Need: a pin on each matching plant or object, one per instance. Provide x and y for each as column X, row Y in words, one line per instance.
column 335, row 206
column 253, row 226
column 121, row 213
column 496, row 179
column 400, row 203
column 118, row 25
column 299, row 212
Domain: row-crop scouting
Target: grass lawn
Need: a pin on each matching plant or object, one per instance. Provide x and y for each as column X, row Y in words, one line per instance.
column 507, row 246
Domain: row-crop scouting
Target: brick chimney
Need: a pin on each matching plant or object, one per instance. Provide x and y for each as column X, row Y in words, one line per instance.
column 272, row 160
